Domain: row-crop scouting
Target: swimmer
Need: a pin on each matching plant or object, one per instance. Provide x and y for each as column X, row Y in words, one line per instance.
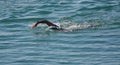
column 49, row 24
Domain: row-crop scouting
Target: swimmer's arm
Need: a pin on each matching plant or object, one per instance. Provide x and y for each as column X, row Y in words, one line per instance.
column 45, row 22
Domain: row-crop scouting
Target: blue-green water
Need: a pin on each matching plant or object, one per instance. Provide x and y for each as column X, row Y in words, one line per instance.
column 92, row 38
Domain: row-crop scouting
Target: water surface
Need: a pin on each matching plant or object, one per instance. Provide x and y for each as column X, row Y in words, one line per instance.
column 93, row 40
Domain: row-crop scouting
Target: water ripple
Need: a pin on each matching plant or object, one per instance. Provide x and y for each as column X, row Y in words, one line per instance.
column 92, row 38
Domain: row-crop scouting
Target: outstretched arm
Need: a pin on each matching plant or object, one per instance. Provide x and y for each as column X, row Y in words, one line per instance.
column 43, row 21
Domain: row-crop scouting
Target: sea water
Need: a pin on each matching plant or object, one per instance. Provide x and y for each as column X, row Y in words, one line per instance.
column 92, row 35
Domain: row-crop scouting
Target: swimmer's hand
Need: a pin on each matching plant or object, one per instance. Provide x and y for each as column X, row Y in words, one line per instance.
column 34, row 25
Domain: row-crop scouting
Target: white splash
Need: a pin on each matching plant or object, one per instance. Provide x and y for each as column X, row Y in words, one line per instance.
column 77, row 27
column 69, row 26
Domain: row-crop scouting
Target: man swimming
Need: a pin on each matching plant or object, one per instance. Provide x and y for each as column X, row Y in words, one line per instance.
column 51, row 25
